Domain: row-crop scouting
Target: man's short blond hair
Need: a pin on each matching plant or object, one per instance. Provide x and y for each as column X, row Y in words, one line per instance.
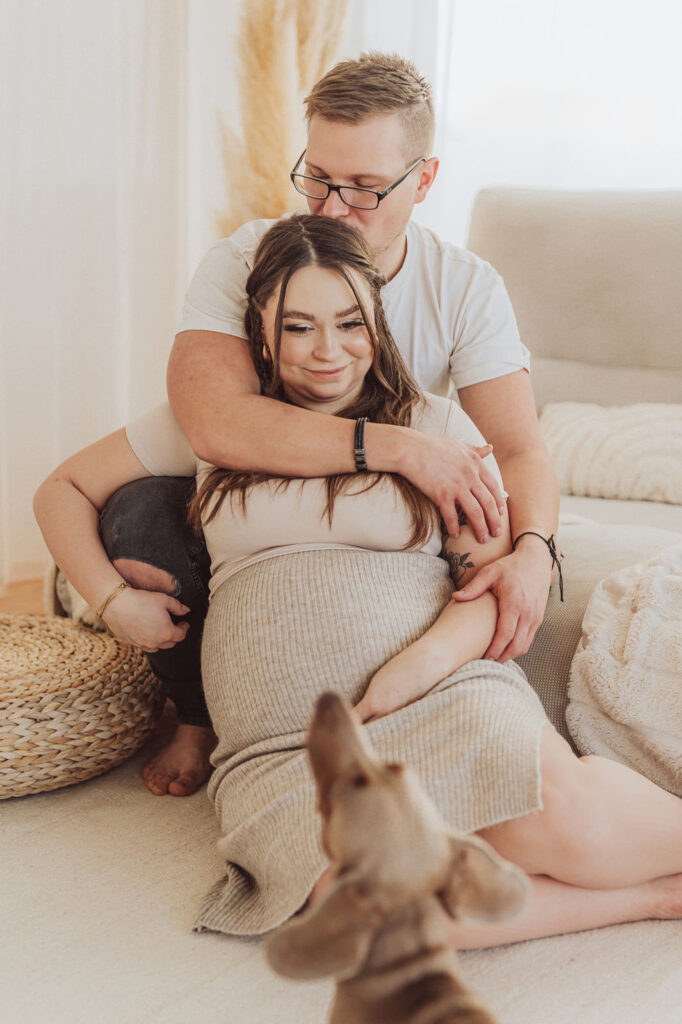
column 377, row 83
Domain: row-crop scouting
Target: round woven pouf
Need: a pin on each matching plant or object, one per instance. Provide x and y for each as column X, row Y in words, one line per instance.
column 73, row 703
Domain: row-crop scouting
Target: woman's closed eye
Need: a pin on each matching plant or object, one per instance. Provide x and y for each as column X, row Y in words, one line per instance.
column 297, row 328
column 347, row 325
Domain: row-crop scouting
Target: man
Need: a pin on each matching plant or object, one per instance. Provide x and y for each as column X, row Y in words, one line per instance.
column 367, row 160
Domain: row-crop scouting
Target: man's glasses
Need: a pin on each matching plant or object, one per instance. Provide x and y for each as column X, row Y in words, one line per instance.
column 358, row 198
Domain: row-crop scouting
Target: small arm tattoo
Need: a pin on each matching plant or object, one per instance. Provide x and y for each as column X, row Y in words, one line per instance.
column 459, row 563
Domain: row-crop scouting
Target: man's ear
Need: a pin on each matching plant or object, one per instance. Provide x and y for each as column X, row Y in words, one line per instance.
column 331, row 938
column 480, row 884
column 429, row 169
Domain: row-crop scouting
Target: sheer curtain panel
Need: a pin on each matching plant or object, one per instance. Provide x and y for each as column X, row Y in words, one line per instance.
column 93, row 233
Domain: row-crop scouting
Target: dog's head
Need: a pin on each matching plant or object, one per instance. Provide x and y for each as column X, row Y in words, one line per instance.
column 376, row 819
column 388, row 846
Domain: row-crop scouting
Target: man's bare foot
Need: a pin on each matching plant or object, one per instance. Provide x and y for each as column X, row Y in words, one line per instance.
column 182, row 766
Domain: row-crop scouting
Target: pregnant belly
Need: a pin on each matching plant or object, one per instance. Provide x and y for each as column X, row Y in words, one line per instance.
column 281, row 632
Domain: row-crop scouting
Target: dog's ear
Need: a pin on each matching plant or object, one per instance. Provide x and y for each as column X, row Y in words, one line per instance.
column 332, row 938
column 480, row 884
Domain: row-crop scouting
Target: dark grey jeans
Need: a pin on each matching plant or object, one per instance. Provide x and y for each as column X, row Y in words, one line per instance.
column 147, row 521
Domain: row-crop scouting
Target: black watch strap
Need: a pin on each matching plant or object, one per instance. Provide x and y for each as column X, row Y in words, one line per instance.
column 359, row 445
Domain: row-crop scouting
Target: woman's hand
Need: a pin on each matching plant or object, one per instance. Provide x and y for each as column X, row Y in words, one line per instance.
column 400, row 681
column 143, row 618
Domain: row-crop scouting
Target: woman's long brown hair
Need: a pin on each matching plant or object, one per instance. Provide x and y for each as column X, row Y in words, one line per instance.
column 389, row 393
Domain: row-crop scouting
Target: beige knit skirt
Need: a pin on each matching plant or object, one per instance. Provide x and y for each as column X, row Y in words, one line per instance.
column 281, row 632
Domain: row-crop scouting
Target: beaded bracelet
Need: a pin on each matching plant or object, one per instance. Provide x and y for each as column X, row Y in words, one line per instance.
column 556, row 560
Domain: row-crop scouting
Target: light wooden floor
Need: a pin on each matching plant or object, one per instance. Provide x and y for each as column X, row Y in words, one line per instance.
column 24, row 598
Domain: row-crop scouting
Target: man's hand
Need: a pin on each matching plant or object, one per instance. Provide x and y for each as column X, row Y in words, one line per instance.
column 143, row 618
column 452, row 473
column 520, row 582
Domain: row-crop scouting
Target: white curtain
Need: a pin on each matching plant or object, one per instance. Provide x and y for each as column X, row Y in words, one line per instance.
column 93, row 233
column 545, row 93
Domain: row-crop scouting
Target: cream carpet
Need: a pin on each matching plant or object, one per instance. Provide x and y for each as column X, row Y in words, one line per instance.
column 99, row 884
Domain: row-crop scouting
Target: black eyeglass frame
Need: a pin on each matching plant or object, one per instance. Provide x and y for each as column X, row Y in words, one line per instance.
column 357, row 188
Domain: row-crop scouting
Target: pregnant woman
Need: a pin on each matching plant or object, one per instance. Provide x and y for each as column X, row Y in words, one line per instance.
column 345, row 583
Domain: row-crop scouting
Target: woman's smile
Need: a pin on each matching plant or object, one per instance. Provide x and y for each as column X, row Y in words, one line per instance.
column 327, row 374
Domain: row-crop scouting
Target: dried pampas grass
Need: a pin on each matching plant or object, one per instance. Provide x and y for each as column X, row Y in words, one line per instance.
column 283, row 48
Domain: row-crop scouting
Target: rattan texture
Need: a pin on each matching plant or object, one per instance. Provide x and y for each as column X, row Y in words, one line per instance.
column 73, row 703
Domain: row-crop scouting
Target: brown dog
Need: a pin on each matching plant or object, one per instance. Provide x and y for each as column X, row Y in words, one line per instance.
column 379, row 928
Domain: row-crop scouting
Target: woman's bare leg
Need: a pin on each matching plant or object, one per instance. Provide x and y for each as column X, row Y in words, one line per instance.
column 603, row 826
column 554, row 908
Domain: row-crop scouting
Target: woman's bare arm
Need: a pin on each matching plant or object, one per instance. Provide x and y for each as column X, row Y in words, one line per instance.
column 461, row 633
column 67, row 506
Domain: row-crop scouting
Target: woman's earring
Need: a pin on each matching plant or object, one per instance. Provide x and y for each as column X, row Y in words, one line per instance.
column 266, row 354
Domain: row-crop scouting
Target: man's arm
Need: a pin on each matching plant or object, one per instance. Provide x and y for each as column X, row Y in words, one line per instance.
column 214, row 393
column 504, row 411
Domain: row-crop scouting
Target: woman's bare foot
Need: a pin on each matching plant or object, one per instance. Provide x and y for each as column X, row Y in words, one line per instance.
column 183, row 766
column 666, row 894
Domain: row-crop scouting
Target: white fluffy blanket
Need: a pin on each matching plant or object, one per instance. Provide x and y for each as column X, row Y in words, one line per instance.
column 625, row 688
column 632, row 452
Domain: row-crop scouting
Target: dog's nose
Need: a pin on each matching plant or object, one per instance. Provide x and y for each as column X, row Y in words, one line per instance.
column 327, row 703
column 330, row 714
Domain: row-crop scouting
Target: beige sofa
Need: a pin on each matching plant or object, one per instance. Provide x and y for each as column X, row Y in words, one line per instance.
column 100, row 881
column 594, row 279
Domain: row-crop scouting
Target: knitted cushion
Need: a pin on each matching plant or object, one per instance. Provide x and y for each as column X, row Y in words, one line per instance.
column 73, row 703
column 631, row 452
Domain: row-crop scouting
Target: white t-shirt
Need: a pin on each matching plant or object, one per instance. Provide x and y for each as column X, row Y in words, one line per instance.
column 448, row 310
column 281, row 520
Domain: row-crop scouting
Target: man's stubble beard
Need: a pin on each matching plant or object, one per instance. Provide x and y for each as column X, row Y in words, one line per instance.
column 378, row 251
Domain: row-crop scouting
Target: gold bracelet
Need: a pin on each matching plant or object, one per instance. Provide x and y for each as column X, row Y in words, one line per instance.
column 122, row 586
